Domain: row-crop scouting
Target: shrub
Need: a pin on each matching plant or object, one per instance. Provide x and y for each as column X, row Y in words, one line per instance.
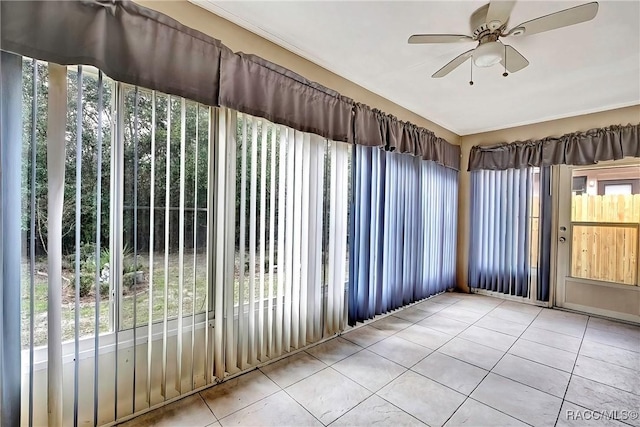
column 129, row 279
column 104, row 290
column 129, row 266
column 86, row 283
column 88, row 266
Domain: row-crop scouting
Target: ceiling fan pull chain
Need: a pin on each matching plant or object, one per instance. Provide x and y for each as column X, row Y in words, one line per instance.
column 471, row 81
column 505, row 74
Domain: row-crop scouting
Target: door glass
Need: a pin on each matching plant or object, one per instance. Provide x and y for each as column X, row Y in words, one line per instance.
column 605, row 215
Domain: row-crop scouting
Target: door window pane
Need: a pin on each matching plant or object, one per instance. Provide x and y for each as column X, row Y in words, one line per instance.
column 605, row 225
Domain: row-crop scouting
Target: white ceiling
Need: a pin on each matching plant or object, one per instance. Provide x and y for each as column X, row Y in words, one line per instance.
column 589, row 67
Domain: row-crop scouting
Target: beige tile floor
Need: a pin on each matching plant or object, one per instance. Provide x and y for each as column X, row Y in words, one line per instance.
column 452, row 360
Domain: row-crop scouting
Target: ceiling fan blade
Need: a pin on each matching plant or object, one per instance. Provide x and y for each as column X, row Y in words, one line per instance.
column 564, row 18
column 459, row 60
column 438, row 38
column 499, row 11
column 514, row 60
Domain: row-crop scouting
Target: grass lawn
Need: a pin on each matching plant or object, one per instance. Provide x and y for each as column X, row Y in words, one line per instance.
column 88, row 303
column 194, row 271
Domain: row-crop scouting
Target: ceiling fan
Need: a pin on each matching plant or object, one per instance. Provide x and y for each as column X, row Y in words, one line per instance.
column 489, row 24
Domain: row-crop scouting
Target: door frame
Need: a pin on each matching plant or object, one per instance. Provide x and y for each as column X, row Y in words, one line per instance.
column 561, row 259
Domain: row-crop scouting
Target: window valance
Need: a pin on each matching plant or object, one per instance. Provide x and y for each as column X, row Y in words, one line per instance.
column 578, row 148
column 136, row 45
column 375, row 128
column 261, row 88
column 128, row 42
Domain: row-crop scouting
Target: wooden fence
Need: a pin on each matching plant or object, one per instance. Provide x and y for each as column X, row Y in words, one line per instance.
column 608, row 249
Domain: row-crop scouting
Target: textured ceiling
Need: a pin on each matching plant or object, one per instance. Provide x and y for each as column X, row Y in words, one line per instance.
column 589, row 67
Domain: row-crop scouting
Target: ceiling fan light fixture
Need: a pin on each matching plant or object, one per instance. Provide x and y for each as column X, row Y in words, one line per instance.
column 488, row 54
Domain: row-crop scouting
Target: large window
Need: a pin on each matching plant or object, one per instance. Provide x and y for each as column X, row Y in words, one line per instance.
column 97, row 121
column 165, row 169
column 170, row 211
column 143, row 205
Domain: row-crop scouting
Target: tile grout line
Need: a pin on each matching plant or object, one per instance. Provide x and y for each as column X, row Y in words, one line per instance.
column 467, row 397
column 326, row 367
column 409, row 369
column 300, row 403
column 208, row 407
column 491, row 370
column 579, row 376
column 564, row 397
column 393, row 332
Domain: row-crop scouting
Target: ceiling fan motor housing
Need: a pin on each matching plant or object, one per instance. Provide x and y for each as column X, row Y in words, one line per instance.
column 479, row 25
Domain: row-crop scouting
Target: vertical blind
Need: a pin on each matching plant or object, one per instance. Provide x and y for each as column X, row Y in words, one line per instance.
column 403, row 231
column 501, row 235
column 510, row 242
column 116, row 219
column 283, row 280
column 190, row 243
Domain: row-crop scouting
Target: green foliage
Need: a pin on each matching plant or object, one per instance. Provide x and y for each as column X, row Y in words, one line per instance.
column 86, row 283
column 129, row 279
column 131, row 267
column 140, row 152
column 90, row 131
column 88, row 266
column 104, row 290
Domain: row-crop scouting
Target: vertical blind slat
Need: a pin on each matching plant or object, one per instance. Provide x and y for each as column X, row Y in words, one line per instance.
column 195, row 248
column 242, row 327
column 32, row 226
column 253, row 213
column 305, row 248
column 282, row 218
column 167, row 204
column 272, row 237
column 152, row 234
column 78, row 203
column 262, row 238
column 96, row 343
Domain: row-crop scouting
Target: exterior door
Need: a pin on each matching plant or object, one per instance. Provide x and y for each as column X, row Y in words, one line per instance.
column 597, row 237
